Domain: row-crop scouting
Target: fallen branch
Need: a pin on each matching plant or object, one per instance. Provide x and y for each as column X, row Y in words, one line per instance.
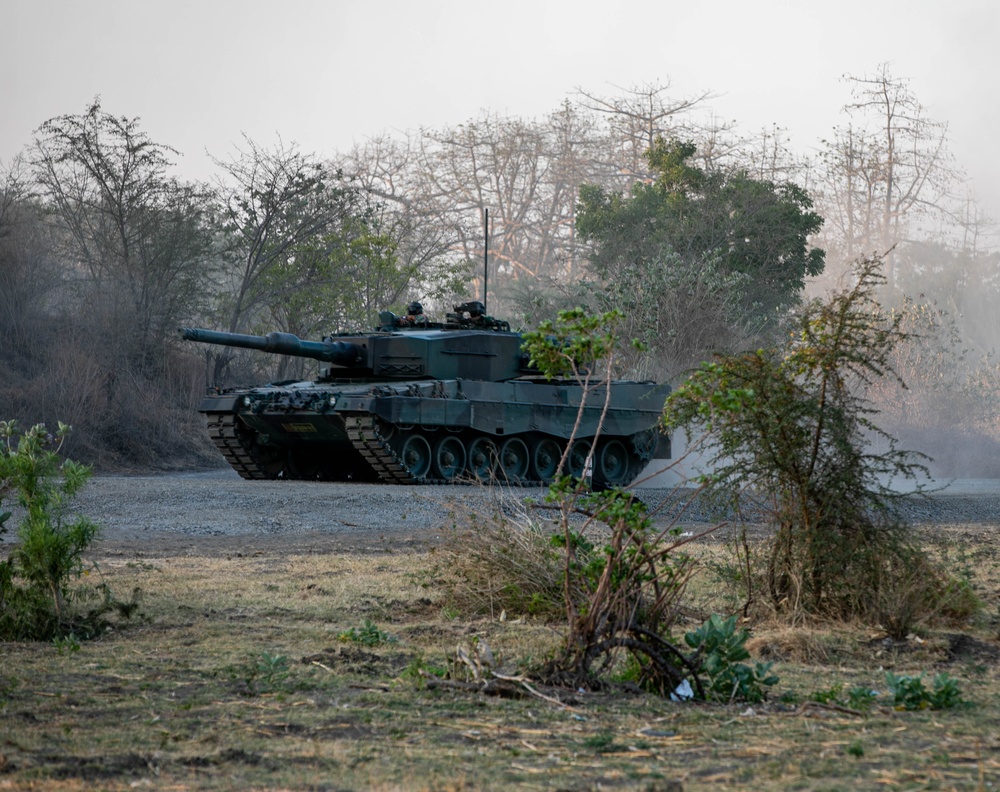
column 496, row 685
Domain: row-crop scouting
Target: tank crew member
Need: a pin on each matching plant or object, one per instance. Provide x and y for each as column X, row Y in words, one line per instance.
column 471, row 311
column 414, row 316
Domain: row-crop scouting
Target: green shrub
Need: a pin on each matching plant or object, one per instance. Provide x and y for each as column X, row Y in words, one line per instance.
column 861, row 698
column 793, row 424
column 369, row 634
column 910, row 692
column 858, row 698
column 36, row 598
column 263, row 673
column 271, row 670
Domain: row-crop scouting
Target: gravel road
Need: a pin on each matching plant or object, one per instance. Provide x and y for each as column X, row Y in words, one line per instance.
column 199, row 511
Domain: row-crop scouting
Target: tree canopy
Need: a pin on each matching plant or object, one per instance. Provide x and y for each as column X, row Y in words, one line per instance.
column 751, row 227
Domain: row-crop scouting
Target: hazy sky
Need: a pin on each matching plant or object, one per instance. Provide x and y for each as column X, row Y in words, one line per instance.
column 324, row 75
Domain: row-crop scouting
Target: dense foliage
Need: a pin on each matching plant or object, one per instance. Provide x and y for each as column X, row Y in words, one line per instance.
column 700, row 259
column 752, row 227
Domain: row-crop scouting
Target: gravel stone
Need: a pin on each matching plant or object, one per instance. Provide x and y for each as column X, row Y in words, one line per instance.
column 218, row 503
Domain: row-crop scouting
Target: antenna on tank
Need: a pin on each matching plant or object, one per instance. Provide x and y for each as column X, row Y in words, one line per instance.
column 486, row 257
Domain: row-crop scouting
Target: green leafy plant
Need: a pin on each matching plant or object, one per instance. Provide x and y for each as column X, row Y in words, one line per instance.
column 829, row 696
column 418, row 669
column 262, row 673
column 35, row 581
column 720, row 650
column 858, row 698
column 572, row 344
column 272, row 669
column 66, row 644
column 369, row 634
column 861, row 698
column 910, row 692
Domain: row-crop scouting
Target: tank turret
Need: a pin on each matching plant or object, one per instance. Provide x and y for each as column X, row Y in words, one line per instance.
column 460, row 348
column 424, row 402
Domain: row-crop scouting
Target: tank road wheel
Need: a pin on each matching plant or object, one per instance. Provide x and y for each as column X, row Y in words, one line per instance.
column 415, row 454
column 482, row 458
column 612, row 464
column 545, row 458
column 449, row 458
column 514, row 459
column 577, row 461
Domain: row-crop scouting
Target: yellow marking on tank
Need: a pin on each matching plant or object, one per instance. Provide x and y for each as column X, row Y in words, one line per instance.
column 298, row 427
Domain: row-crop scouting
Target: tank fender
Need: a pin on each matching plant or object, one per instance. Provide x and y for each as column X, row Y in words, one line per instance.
column 219, row 403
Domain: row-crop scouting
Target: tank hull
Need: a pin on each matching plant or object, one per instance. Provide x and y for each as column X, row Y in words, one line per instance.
column 439, row 431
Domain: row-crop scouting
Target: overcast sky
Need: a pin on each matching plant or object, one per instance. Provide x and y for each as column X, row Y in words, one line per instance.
column 200, row 73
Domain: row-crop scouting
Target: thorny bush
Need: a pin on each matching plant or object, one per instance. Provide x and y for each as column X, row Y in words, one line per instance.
column 793, row 427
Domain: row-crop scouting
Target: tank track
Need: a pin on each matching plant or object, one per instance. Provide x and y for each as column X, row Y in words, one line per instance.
column 236, row 445
column 225, row 433
column 362, row 429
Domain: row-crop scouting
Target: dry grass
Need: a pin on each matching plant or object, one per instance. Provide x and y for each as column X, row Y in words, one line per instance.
column 182, row 702
column 494, row 567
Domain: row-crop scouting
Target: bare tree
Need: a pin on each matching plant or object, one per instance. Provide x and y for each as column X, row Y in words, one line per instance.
column 493, row 163
column 575, row 143
column 887, row 174
column 977, row 229
column 137, row 237
column 420, row 228
column 635, row 119
column 768, row 156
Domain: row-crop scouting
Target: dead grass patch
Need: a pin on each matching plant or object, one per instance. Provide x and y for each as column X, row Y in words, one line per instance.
column 790, row 645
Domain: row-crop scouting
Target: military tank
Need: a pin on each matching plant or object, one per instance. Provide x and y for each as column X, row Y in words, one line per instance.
column 420, row 402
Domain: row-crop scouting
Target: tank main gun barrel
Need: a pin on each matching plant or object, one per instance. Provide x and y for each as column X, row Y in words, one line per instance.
column 339, row 353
